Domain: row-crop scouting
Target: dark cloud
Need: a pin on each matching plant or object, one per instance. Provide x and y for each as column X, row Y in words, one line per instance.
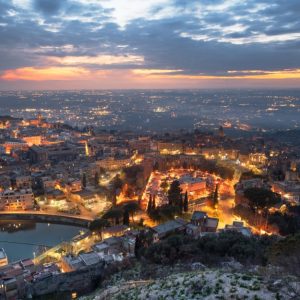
column 212, row 57
column 197, row 43
column 49, row 7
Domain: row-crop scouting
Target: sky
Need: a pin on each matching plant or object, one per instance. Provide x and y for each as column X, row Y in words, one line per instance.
column 117, row 44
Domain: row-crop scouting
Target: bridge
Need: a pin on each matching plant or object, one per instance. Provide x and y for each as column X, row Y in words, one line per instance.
column 24, row 243
column 47, row 217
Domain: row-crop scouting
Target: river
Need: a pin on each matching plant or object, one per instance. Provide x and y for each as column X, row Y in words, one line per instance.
column 24, row 239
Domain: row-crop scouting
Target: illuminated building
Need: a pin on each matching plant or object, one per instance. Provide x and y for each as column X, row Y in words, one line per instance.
column 16, row 200
column 4, row 124
column 23, row 182
column 210, row 153
column 172, row 148
column 290, row 191
column 162, row 230
column 33, row 140
column 3, row 258
column 71, row 263
column 294, row 166
column 111, row 163
column 73, row 186
column 239, row 227
column 191, row 184
column 142, row 144
column 14, row 144
column 258, row 158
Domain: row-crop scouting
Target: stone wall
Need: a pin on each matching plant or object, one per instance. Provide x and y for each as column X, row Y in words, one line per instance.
column 78, row 281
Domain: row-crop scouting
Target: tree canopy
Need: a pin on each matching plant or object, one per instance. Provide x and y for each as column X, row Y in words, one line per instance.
column 98, row 224
column 260, row 198
column 174, row 193
column 115, row 213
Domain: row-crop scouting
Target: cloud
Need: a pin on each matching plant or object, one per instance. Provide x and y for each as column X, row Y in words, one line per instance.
column 42, row 74
column 192, row 38
column 49, row 7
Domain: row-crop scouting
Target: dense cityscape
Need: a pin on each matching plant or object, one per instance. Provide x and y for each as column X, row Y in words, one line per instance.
column 160, row 110
column 130, row 192
column 149, row 150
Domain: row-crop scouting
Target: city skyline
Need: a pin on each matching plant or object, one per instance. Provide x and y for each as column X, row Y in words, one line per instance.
column 76, row 44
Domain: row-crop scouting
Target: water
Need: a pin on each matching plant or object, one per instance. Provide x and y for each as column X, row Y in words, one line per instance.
column 32, row 233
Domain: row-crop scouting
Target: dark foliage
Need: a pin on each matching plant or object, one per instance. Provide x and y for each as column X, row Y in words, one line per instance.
column 286, row 223
column 98, row 224
column 114, row 214
column 83, row 180
column 165, row 212
column 117, row 182
column 126, row 217
column 174, row 193
column 186, row 202
column 210, row 248
column 96, row 179
column 260, row 198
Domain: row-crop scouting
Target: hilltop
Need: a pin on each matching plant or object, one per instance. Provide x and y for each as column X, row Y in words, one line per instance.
column 197, row 283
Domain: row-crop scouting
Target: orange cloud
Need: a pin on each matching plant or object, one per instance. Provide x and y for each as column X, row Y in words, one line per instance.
column 69, row 73
column 245, row 74
column 44, row 74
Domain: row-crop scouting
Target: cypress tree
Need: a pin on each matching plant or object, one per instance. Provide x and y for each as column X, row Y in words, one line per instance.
column 186, row 202
column 216, row 196
column 153, row 202
column 96, row 179
column 181, row 203
column 126, row 217
column 174, row 193
column 149, row 204
column 83, row 180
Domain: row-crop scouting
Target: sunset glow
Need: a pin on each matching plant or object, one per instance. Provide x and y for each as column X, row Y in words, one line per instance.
column 41, row 74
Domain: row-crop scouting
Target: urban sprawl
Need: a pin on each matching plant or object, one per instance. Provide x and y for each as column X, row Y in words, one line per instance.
column 130, row 190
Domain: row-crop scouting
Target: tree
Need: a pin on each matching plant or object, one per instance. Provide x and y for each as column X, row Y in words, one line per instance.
column 149, row 207
column 155, row 166
column 96, row 179
column 260, row 198
column 216, row 197
column 164, row 185
column 117, row 182
column 113, row 198
column 181, row 203
column 153, row 202
column 126, row 217
column 102, row 171
column 83, row 180
column 285, row 253
column 186, row 202
column 174, row 193
column 143, row 240
column 115, row 214
column 98, row 225
column 165, row 213
column 132, row 208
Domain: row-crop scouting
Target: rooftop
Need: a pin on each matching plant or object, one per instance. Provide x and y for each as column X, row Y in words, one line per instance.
column 198, row 215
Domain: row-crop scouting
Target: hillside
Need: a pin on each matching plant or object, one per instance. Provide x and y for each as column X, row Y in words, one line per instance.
column 203, row 283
